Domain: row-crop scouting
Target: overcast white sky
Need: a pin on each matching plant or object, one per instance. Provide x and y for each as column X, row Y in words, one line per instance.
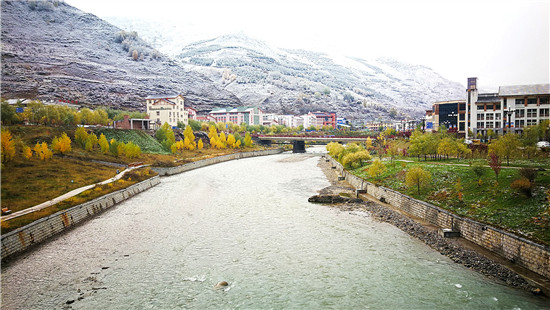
column 500, row 42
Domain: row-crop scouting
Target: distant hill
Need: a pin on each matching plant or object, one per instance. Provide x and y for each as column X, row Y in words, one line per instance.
column 297, row 81
column 51, row 51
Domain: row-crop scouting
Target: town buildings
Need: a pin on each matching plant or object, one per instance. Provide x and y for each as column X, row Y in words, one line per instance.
column 249, row 115
column 167, row 109
column 510, row 110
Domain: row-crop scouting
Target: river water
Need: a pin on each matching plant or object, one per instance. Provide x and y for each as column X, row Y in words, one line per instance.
column 247, row 222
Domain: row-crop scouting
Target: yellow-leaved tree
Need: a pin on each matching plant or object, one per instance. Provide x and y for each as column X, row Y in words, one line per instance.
column 27, row 152
column 81, row 136
column 42, row 151
column 200, row 145
column 376, row 168
column 231, row 140
column 103, row 144
column 132, row 150
column 189, row 140
column 416, row 176
column 247, row 140
column 62, row 144
column 8, row 146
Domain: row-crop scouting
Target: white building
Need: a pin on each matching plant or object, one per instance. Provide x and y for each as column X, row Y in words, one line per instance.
column 509, row 110
column 167, row 109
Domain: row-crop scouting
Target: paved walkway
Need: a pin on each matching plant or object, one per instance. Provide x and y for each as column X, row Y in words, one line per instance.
column 64, row 196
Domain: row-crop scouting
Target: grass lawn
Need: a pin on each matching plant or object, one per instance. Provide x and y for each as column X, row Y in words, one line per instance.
column 488, row 201
column 26, row 183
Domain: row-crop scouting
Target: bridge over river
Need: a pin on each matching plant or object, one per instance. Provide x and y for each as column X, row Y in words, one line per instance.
column 299, row 142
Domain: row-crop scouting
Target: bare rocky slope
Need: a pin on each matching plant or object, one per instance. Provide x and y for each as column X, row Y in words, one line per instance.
column 298, row 81
column 53, row 51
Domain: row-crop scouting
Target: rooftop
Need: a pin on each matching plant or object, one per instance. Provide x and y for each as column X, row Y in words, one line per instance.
column 522, row 90
column 162, row 96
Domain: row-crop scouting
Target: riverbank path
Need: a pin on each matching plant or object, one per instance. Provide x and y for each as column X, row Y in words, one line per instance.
column 66, row 195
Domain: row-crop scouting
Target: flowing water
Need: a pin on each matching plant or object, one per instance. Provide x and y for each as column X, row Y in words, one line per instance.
column 247, row 222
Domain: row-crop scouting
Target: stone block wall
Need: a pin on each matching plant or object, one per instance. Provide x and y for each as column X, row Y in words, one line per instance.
column 528, row 254
column 25, row 237
column 165, row 171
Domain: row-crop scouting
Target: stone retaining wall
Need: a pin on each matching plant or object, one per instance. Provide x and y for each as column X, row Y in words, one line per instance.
column 523, row 252
column 162, row 171
column 27, row 236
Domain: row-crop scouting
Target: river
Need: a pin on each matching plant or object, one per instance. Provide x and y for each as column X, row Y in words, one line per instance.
column 247, row 222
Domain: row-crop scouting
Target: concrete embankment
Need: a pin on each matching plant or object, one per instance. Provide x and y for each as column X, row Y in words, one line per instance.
column 41, row 230
column 514, row 249
column 38, row 231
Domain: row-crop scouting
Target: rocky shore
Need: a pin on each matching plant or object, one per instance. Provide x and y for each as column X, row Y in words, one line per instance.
column 429, row 235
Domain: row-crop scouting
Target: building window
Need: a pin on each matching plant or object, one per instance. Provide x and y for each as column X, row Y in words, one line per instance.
column 497, row 106
column 531, row 112
column 490, row 106
column 497, row 116
column 462, row 107
column 497, row 124
column 544, row 112
column 489, row 116
column 461, row 116
column 520, row 113
column 544, row 100
column 480, row 125
column 520, row 123
column 531, row 122
column 158, row 113
column 489, row 125
column 480, row 116
column 532, row 101
column 505, row 102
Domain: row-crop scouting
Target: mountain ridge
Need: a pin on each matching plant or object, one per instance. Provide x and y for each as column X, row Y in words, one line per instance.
column 53, row 51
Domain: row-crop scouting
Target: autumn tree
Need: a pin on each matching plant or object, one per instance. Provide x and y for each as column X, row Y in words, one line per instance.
column 231, row 140
column 392, row 150
column 132, row 150
column 103, row 144
column 368, row 143
column 417, row 177
column 165, row 135
column 27, row 152
column 189, row 138
column 200, row 145
column 376, row 169
column 42, row 151
column 8, row 146
column 81, row 137
column 247, row 140
column 446, row 147
column 62, row 144
column 494, row 163
column 505, row 146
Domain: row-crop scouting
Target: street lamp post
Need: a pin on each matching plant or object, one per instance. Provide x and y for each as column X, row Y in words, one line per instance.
column 510, row 111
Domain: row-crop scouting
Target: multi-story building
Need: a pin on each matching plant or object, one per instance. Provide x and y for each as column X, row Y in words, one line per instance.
column 191, row 113
column 509, row 110
column 167, row 109
column 248, row 115
column 524, row 105
column 324, row 119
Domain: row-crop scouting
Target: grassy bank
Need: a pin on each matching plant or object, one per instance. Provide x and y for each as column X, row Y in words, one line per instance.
column 487, row 201
column 130, row 178
column 26, row 183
